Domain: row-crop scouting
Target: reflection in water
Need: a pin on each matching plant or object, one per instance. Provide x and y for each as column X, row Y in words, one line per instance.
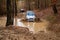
column 32, row 26
column 21, row 24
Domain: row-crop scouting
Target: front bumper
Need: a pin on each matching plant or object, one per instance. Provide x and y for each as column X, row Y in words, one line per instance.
column 31, row 19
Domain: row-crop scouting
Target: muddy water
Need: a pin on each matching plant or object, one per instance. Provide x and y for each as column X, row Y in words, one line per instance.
column 33, row 26
column 37, row 26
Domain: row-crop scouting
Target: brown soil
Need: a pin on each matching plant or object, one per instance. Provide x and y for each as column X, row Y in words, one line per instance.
column 21, row 33
column 15, row 33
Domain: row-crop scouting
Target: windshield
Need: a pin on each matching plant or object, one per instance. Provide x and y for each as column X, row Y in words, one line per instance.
column 30, row 13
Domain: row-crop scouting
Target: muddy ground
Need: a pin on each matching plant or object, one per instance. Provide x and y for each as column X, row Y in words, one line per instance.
column 21, row 33
column 48, row 32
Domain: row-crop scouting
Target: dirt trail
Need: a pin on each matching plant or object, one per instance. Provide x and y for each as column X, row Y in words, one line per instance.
column 23, row 34
column 37, row 26
column 2, row 21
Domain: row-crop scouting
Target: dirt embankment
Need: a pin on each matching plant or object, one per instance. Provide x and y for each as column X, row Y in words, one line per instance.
column 20, row 33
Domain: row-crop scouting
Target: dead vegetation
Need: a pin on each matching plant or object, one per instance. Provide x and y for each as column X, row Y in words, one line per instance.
column 21, row 33
column 14, row 33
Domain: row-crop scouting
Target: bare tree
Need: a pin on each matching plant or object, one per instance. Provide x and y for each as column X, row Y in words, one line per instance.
column 54, row 6
column 38, row 4
column 28, row 6
column 10, row 13
column 15, row 8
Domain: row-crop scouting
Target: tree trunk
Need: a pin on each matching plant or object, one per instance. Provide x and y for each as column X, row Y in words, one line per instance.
column 10, row 13
column 54, row 9
column 38, row 4
column 29, row 8
column 15, row 8
column 54, row 6
column 28, row 5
